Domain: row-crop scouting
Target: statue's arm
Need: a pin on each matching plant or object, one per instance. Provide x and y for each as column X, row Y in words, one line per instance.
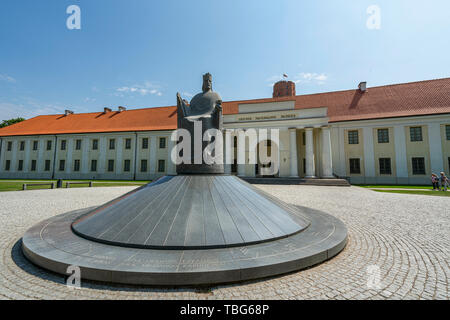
column 219, row 105
column 181, row 105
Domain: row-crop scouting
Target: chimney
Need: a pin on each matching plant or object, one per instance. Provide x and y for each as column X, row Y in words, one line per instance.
column 67, row 112
column 122, row 108
column 362, row 86
column 106, row 110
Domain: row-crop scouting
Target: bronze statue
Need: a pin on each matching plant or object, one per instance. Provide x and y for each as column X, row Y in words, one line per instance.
column 207, row 108
column 203, row 105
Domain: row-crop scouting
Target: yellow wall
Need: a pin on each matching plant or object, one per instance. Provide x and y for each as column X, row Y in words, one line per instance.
column 384, row 150
column 445, row 148
column 354, row 151
column 418, row 149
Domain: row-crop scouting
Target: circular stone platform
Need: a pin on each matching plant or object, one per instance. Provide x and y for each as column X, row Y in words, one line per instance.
column 264, row 236
column 191, row 212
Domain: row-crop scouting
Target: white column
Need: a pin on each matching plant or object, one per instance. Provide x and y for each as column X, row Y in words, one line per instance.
column 85, row 155
column 327, row 165
column 369, row 157
column 171, row 166
column 400, row 152
column 310, row 167
column 153, row 150
column 293, row 152
column 435, row 142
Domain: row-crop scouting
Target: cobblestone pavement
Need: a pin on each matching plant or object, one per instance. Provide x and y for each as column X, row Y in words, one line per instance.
column 404, row 237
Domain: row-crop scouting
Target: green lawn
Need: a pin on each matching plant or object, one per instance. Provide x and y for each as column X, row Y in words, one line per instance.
column 395, row 186
column 16, row 184
column 426, row 193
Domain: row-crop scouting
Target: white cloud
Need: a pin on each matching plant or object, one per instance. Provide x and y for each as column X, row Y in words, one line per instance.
column 5, row 77
column 142, row 89
column 319, row 78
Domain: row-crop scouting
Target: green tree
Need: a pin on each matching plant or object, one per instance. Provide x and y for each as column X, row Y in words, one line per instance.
column 9, row 122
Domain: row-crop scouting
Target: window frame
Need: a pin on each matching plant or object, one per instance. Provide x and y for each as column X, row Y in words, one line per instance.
column 112, row 144
column 384, row 138
column 7, row 165
column 142, row 167
column 47, row 165
column 35, row 145
column 20, row 165
column 353, row 135
column 62, row 165
column 127, row 143
column 110, row 165
column 161, row 161
column 49, row 145
column 165, row 143
column 414, row 166
column 76, row 165
column 22, row 146
column 63, row 145
column 126, row 165
column 78, row 144
column 94, row 144
column 9, row 146
column 352, row 167
column 382, row 163
column 414, row 136
column 144, row 143
column 93, row 165
column 33, row 165
column 447, row 131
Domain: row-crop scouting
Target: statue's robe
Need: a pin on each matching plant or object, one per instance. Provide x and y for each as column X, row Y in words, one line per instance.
column 205, row 107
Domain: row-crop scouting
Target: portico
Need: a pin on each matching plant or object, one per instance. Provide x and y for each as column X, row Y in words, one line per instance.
column 304, row 148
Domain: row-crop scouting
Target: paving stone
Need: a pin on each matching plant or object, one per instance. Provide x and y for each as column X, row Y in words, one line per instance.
column 406, row 236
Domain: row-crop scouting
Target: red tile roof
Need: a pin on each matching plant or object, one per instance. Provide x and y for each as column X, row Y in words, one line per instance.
column 399, row 100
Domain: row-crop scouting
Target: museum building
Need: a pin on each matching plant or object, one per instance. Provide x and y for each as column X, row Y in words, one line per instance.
column 393, row 134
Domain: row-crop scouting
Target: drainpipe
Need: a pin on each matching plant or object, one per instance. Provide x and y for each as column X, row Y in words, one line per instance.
column 135, row 155
column 54, row 156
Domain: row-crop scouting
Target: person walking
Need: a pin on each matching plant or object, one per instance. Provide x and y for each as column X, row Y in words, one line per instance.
column 443, row 183
column 435, row 182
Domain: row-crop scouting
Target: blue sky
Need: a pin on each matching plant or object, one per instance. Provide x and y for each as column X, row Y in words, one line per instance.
column 139, row 53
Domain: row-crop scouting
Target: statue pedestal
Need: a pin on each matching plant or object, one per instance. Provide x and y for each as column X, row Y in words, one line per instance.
column 186, row 230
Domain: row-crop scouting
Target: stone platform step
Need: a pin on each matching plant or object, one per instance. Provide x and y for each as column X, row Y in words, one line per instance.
column 298, row 181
